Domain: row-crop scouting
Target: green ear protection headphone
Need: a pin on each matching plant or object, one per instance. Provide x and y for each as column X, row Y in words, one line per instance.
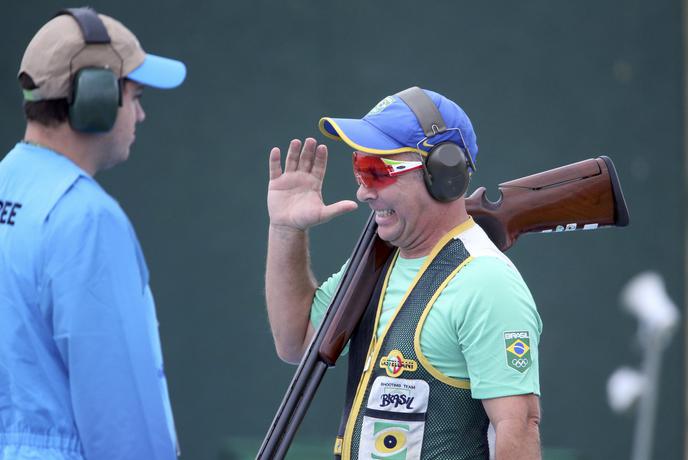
column 96, row 92
column 447, row 165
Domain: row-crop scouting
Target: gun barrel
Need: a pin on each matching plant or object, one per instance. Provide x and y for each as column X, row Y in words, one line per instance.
column 312, row 367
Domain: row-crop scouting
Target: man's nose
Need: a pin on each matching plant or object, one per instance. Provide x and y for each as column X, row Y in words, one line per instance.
column 365, row 193
column 140, row 113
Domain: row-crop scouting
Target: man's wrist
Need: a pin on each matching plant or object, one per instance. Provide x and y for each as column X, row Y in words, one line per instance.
column 286, row 230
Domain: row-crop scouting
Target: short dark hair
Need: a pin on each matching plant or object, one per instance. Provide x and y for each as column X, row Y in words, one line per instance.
column 50, row 112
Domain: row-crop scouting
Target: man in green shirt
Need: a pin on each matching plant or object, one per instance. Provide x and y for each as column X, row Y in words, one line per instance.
column 454, row 331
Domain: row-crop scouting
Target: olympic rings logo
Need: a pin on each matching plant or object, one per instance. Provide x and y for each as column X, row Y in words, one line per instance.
column 519, row 362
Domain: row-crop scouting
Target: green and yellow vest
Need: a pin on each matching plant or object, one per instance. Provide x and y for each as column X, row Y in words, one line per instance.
column 402, row 408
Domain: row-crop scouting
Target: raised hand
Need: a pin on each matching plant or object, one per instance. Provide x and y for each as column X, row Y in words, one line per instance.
column 295, row 195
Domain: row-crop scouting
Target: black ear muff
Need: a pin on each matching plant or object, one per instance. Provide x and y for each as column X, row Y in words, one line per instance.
column 96, row 92
column 446, row 174
column 95, row 100
column 447, row 164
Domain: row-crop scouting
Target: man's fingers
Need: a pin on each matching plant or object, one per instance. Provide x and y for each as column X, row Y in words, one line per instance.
column 320, row 162
column 307, row 155
column 337, row 209
column 292, row 161
column 275, row 166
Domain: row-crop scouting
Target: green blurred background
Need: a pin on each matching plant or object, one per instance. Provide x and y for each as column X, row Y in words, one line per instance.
column 546, row 83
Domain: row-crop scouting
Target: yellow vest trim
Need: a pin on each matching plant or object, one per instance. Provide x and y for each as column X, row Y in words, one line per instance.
column 451, row 381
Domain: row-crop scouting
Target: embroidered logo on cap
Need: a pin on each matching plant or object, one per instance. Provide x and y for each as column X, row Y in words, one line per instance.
column 395, row 364
column 382, row 105
column 518, row 350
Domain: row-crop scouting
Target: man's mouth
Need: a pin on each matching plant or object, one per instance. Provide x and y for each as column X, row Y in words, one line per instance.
column 383, row 212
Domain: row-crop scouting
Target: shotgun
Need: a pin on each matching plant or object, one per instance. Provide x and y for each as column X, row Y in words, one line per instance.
column 581, row 196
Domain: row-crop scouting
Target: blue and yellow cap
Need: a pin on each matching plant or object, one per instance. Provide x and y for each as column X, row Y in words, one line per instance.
column 391, row 127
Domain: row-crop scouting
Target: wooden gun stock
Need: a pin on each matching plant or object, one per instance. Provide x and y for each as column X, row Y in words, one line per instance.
column 581, row 195
column 584, row 195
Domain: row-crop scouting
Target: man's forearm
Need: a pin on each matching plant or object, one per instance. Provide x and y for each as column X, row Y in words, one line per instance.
column 289, row 289
column 517, row 440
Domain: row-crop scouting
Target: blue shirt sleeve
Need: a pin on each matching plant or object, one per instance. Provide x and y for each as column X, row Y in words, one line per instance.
column 102, row 316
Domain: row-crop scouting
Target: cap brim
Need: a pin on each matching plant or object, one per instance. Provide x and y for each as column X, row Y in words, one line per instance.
column 362, row 136
column 159, row 72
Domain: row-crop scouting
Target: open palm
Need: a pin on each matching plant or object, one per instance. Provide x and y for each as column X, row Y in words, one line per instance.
column 295, row 194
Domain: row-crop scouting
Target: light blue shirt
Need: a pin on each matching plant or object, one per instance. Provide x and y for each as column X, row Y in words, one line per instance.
column 81, row 374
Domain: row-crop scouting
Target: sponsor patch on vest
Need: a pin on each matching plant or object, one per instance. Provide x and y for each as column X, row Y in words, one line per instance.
column 394, row 421
column 390, row 440
column 518, row 350
column 399, row 395
column 382, row 105
column 395, row 364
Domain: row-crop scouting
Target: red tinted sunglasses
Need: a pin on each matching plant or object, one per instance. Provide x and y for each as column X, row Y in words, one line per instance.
column 373, row 171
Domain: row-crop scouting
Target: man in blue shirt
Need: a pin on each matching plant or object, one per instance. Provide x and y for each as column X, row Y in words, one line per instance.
column 81, row 374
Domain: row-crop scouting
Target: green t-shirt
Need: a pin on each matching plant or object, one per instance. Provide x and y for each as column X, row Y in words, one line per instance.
column 470, row 330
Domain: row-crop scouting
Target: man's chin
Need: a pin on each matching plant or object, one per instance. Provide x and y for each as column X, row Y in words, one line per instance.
column 387, row 234
column 114, row 161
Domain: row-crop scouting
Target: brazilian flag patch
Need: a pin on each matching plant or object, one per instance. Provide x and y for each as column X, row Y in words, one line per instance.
column 518, row 350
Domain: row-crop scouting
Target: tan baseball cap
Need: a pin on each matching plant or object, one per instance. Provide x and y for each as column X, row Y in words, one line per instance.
column 59, row 50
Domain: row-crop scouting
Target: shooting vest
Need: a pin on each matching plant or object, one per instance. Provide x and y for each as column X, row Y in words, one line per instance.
column 398, row 407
